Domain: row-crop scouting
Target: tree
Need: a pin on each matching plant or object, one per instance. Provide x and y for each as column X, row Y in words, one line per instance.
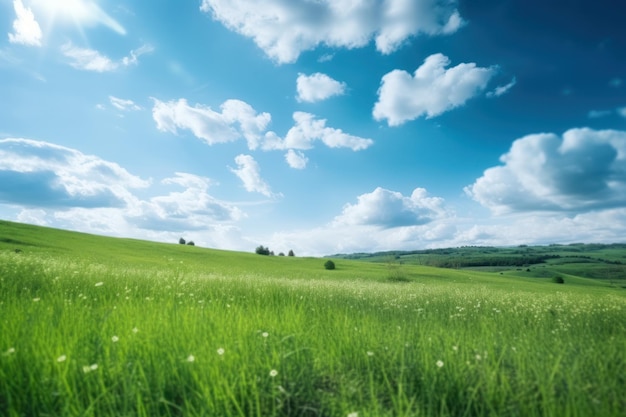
column 329, row 265
column 190, row 243
column 291, row 253
column 281, row 254
column 262, row 250
column 181, row 241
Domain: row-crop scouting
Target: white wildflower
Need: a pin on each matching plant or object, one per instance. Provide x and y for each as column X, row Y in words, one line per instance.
column 61, row 358
column 191, row 358
column 220, row 351
column 273, row 373
column 439, row 364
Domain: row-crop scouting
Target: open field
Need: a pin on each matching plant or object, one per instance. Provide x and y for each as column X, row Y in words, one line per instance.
column 95, row 326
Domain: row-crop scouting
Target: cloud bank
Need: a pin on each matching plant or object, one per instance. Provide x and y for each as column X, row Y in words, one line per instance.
column 285, row 29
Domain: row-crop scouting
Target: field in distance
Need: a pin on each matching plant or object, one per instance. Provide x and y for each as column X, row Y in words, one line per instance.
column 98, row 326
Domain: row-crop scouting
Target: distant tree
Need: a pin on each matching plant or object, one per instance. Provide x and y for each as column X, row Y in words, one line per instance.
column 262, row 250
column 558, row 280
column 190, row 243
column 329, row 265
column 181, row 241
column 281, row 254
column 291, row 253
column 272, row 253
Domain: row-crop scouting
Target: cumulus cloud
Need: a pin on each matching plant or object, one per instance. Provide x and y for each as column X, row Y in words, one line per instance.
column 34, row 173
column 389, row 209
column 235, row 120
column 583, row 170
column 193, row 208
column 503, row 89
column 91, row 60
column 25, row 27
column 123, row 105
column 308, row 129
column 284, row 29
column 430, row 91
column 296, row 159
column 249, row 173
column 318, row 87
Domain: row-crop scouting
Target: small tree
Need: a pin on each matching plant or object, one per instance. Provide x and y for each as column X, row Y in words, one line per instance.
column 329, row 265
column 181, row 241
column 291, row 253
column 262, row 250
column 281, row 254
column 190, row 243
column 558, row 280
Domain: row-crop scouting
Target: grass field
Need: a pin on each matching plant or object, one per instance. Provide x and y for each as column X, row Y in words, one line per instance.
column 95, row 326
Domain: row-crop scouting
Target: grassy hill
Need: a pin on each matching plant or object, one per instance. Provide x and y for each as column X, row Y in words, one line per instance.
column 99, row 326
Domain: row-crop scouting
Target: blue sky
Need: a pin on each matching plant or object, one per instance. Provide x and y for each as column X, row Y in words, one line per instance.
column 318, row 126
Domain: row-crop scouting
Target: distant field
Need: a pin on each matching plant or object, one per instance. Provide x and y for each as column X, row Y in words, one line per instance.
column 95, row 326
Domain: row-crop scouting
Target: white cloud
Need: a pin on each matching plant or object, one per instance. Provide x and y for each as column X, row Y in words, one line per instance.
column 622, row 111
column 309, row 129
column 25, row 27
column 318, row 87
column 249, row 172
column 284, row 29
column 296, row 159
column 235, row 120
column 583, row 170
column 390, row 209
column 123, row 105
column 596, row 114
column 92, row 60
column 41, row 174
column 503, row 89
column 431, row 91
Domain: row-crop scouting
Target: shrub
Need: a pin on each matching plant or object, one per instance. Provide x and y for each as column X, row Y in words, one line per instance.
column 558, row 280
column 190, row 243
column 181, row 241
column 262, row 250
column 329, row 265
column 291, row 253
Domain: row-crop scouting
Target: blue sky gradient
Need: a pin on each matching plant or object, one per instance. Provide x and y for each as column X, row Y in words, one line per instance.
column 321, row 127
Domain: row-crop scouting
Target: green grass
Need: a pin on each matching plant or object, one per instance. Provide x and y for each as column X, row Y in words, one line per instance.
column 94, row 326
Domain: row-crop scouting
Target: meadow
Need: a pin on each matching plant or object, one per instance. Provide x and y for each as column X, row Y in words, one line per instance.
column 95, row 326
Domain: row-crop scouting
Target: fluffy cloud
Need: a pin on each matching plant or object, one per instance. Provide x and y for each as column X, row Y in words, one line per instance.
column 122, row 104
column 317, row 87
column 42, row 174
column 430, row 91
column 25, row 27
column 191, row 209
column 235, row 120
column 583, row 170
column 284, row 29
column 91, row 60
column 249, row 173
column 308, row 129
column 389, row 209
column 295, row 159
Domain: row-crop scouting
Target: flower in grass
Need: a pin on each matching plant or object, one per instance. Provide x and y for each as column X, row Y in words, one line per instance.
column 61, row 358
column 191, row 358
column 273, row 373
column 353, row 414
column 220, row 351
column 115, row 339
column 370, row 353
column 9, row 351
column 265, row 334
column 36, row 299
column 135, row 330
column 99, row 284
column 439, row 364
column 90, row 368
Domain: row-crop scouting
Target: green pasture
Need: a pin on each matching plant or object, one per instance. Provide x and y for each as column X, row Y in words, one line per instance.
column 95, row 326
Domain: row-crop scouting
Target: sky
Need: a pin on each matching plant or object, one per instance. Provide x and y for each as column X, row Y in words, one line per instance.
column 322, row 127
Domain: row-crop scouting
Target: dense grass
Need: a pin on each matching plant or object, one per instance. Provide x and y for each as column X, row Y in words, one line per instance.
column 91, row 326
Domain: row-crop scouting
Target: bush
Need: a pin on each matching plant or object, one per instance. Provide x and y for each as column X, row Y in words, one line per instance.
column 190, row 243
column 262, row 250
column 558, row 280
column 181, row 241
column 329, row 265
column 291, row 253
